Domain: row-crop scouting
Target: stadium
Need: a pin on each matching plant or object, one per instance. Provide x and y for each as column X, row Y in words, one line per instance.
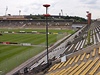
column 70, row 51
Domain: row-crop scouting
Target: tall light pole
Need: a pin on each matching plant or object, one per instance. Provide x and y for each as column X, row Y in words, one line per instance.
column 6, row 11
column 19, row 12
column 89, row 17
column 47, row 15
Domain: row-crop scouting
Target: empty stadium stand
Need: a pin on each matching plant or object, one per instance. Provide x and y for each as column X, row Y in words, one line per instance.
column 81, row 63
column 82, row 53
column 86, row 63
column 67, row 24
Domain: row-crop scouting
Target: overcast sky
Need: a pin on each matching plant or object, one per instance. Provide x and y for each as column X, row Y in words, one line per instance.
column 69, row 7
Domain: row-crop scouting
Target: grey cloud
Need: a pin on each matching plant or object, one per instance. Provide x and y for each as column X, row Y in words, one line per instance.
column 92, row 4
column 94, row 7
column 30, row 7
column 89, row 1
column 26, row 9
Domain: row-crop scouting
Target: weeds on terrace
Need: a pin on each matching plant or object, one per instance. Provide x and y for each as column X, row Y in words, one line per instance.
column 88, row 38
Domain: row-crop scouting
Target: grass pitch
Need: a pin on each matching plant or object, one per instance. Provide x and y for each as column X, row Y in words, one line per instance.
column 12, row 56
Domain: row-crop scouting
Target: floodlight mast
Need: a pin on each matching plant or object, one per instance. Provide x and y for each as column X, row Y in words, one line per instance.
column 47, row 15
column 89, row 17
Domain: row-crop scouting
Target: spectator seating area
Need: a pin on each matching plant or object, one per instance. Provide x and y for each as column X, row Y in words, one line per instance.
column 84, row 58
column 82, row 64
column 33, row 24
column 85, row 38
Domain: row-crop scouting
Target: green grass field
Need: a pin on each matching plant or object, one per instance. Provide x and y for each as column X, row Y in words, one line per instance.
column 12, row 56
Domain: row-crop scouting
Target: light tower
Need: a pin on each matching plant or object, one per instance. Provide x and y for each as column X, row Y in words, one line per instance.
column 19, row 12
column 62, row 12
column 47, row 15
column 89, row 17
column 6, row 10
